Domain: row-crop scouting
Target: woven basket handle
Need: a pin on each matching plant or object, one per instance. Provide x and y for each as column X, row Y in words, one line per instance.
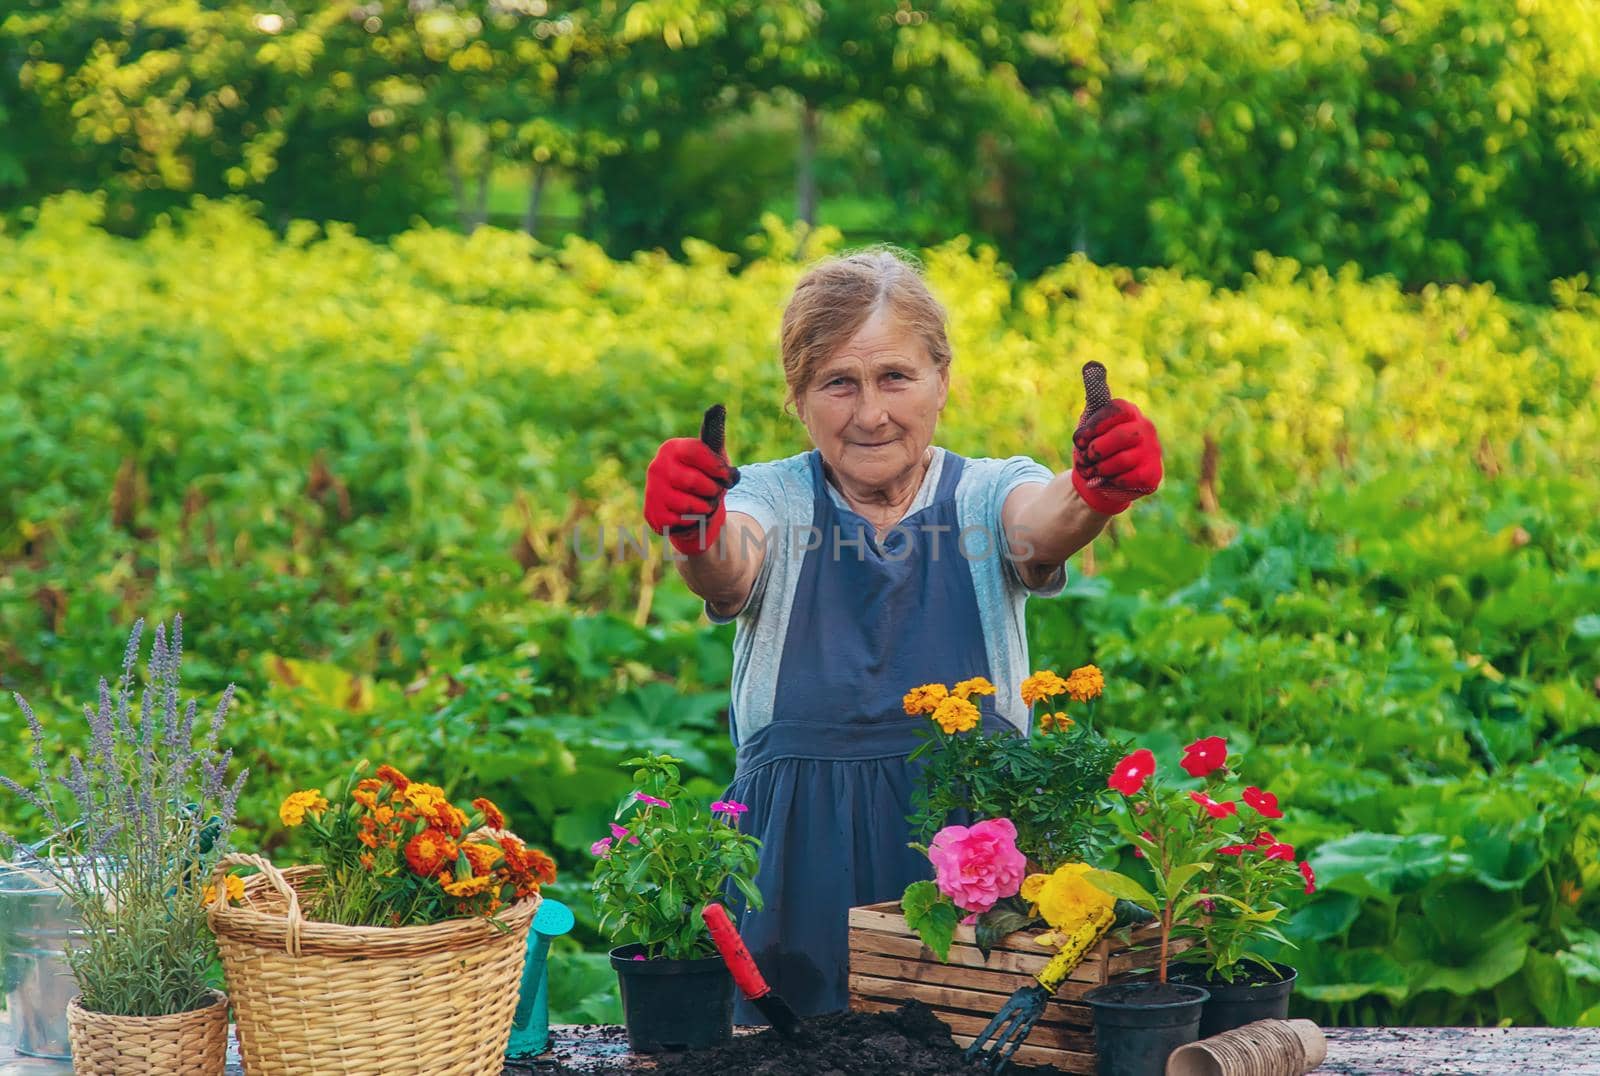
column 292, row 918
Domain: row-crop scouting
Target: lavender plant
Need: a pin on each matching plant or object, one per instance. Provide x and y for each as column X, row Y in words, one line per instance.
column 132, row 842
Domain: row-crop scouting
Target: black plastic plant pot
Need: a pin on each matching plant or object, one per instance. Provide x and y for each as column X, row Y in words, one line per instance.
column 671, row 1005
column 1136, row 1025
column 1247, row 999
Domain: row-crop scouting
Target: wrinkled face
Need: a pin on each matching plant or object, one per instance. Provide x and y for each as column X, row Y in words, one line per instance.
column 871, row 408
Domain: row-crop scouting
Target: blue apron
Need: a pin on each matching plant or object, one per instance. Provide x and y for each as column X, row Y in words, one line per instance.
column 827, row 782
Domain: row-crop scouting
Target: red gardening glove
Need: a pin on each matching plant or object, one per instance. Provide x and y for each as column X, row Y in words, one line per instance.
column 684, row 485
column 1116, row 455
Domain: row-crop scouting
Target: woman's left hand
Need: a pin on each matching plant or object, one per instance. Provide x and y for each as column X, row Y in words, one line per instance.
column 1116, row 455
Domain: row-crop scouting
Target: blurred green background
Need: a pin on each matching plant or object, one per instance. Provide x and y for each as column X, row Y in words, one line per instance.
column 331, row 326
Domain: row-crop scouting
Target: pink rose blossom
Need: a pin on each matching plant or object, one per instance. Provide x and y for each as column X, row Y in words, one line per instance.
column 975, row 866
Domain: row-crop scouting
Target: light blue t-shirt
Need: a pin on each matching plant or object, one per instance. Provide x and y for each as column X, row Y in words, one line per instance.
column 778, row 496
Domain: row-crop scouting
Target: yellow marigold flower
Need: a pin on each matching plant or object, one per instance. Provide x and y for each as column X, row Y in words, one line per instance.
column 1067, row 898
column 924, row 699
column 975, row 686
column 483, row 857
column 469, row 886
column 423, row 797
column 1057, row 720
column 1042, row 685
column 234, row 886
column 1085, row 683
column 292, row 811
column 956, row 715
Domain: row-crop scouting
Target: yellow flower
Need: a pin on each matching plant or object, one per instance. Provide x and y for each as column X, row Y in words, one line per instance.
column 1066, row 898
column 924, row 699
column 975, row 686
column 292, row 811
column 234, row 886
column 956, row 715
column 1057, row 720
column 1085, row 683
column 1042, row 685
column 470, row 886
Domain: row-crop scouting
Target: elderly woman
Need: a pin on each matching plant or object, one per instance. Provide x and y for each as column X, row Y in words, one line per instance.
column 875, row 562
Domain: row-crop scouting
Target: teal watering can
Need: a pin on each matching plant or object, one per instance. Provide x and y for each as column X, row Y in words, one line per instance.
column 530, row 1028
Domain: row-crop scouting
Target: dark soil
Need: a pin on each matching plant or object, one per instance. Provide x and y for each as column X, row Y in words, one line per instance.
column 908, row 1042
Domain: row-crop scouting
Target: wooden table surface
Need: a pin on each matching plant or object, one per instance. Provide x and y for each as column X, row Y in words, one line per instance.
column 1352, row 1051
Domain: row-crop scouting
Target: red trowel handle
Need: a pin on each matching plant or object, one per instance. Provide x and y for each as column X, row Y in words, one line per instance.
column 734, row 953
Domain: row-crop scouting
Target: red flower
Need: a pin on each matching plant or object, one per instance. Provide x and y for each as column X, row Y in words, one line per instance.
column 1265, row 803
column 1203, row 756
column 1309, row 875
column 1213, row 808
column 1129, row 776
column 1233, row 850
column 1280, row 851
column 1265, row 839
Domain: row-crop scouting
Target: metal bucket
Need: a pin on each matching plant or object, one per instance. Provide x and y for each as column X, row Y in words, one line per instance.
column 35, row 923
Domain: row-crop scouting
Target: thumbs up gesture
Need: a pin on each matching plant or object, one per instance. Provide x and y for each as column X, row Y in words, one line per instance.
column 684, row 486
column 1116, row 455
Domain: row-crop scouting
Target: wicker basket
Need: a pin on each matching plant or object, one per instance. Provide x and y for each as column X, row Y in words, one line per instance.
column 193, row 1043
column 315, row 998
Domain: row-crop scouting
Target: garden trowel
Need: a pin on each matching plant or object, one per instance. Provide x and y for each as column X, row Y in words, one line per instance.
column 743, row 966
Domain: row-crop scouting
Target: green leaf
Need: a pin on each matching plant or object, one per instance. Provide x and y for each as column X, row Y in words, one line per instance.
column 932, row 915
column 1182, row 875
column 1004, row 918
column 1120, row 885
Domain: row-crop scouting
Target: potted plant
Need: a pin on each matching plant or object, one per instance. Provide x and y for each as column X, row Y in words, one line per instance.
column 404, row 937
column 146, row 814
column 1038, row 802
column 1184, row 837
column 1250, row 870
column 667, row 857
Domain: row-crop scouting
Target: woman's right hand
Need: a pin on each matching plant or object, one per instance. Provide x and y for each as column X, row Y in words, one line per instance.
column 684, row 487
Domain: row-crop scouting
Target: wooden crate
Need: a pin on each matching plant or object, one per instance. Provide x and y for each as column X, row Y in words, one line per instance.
column 890, row 965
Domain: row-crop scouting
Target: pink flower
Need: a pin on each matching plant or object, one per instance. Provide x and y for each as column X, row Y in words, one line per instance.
column 620, row 832
column 728, row 807
column 1309, row 875
column 978, row 865
column 1203, row 756
column 639, row 957
column 650, row 801
column 1129, row 776
column 1213, row 808
column 601, row 849
column 1265, row 803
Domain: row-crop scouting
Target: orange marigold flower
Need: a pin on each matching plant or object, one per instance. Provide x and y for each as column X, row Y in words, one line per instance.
column 383, row 815
column 428, row 851
column 366, row 861
column 491, row 814
column 483, row 857
column 1085, row 683
column 541, row 866
column 234, row 886
column 1055, row 721
column 368, row 838
column 956, row 715
column 1042, row 685
column 366, row 793
column 975, row 686
column 924, row 699
column 296, row 805
column 450, row 818
column 394, row 777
